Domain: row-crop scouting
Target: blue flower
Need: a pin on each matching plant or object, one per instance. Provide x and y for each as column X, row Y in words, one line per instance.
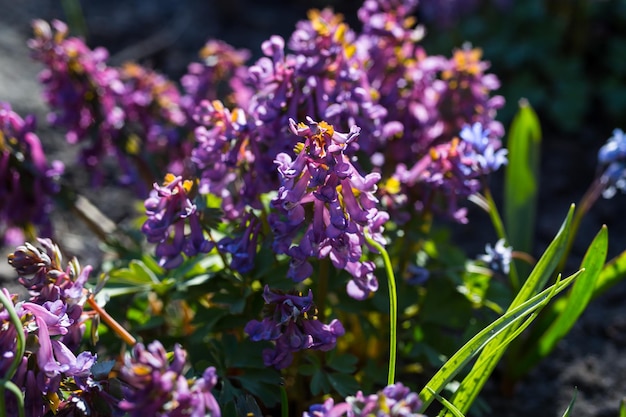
column 612, row 162
column 498, row 258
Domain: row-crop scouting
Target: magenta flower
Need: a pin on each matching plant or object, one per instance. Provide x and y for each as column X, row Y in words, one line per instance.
column 342, row 204
column 290, row 321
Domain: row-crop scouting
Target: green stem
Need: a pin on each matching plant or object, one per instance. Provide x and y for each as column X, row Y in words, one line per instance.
column 322, row 288
column 393, row 309
column 18, row 396
column 5, row 382
column 284, row 402
column 585, row 204
column 489, row 204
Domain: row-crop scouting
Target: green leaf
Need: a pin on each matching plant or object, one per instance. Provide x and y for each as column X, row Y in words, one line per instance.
column 319, row 383
column 570, row 407
column 563, row 315
column 262, row 384
column 455, row 411
column 472, row 348
column 344, row 384
column 137, row 273
column 613, row 272
column 342, row 363
column 490, row 356
column 521, row 178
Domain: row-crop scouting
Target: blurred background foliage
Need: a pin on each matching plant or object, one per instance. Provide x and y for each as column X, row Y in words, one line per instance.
column 566, row 57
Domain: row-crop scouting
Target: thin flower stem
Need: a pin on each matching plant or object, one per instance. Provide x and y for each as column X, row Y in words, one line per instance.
column 111, row 322
column 393, row 309
column 5, row 382
column 498, row 225
column 322, row 288
column 586, row 202
column 18, row 397
column 284, row 402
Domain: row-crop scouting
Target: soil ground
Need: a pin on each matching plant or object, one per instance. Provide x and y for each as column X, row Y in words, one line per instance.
column 167, row 34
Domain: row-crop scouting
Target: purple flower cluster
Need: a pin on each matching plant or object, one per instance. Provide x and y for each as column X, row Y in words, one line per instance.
column 55, row 376
column 54, row 323
column 27, row 179
column 80, row 88
column 153, row 116
column 453, row 170
column 129, row 113
column 220, row 74
column 169, row 209
column 342, row 207
column 393, row 401
column 230, row 158
column 290, row 321
column 154, row 386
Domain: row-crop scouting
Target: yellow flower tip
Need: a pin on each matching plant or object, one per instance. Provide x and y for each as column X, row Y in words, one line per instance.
column 187, row 185
column 410, row 21
column 141, row 370
column 392, row 185
column 433, row 154
column 350, row 50
column 133, row 144
column 326, row 128
column 298, row 148
column 218, row 105
column 169, row 178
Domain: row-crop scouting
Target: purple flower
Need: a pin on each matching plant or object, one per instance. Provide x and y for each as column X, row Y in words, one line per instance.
column 243, row 247
column 230, row 159
column 290, row 321
column 222, row 68
column 169, row 209
column 155, row 386
column 80, row 88
column 29, row 181
column 487, row 157
column 342, row 204
column 393, row 401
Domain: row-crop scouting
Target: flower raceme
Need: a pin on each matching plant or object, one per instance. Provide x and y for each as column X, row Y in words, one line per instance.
column 395, row 400
column 341, row 206
column 154, row 386
column 53, row 375
column 290, row 321
column 169, row 208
